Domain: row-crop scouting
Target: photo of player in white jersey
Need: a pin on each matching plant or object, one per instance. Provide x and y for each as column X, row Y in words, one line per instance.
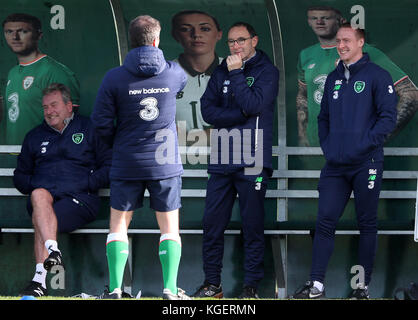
column 198, row 33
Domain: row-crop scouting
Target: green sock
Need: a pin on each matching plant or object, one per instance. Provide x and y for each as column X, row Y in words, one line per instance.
column 170, row 253
column 117, row 251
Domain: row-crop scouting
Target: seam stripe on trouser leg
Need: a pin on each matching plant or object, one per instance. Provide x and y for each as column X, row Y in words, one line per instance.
column 251, row 201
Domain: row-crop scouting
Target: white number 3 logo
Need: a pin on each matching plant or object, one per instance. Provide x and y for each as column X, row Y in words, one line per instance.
column 150, row 112
column 390, row 89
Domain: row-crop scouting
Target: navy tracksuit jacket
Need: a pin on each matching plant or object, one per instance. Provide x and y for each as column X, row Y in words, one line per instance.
column 240, row 103
column 141, row 96
column 356, row 116
column 73, row 164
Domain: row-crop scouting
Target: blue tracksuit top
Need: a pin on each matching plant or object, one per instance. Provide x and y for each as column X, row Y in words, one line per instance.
column 70, row 163
column 356, row 114
column 242, row 102
column 141, row 96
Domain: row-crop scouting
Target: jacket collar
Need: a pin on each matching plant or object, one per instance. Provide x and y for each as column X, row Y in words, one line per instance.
column 186, row 66
column 355, row 67
column 66, row 123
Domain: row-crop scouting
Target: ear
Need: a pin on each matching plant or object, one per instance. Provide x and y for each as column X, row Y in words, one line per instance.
column 342, row 20
column 219, row 36
column 69, row 106
column 254, row 41
column 156, row 42
column 40, row 35
column 309, row 21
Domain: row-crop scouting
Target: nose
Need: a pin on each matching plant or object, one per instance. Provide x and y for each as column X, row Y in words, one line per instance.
column 16, row 35
column 47, row 110
column 320, row 21
column 235, row 45
column 196, row 34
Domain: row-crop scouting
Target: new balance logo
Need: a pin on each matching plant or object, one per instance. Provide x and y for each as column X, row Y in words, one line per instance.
column 149, row 91
column 210, row 293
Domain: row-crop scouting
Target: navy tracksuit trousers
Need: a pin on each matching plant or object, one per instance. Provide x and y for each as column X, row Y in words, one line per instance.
column 222, row 190
column 335, row 187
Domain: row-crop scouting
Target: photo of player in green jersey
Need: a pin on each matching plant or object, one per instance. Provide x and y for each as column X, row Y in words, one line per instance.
column 316, row 61
column 34, row 72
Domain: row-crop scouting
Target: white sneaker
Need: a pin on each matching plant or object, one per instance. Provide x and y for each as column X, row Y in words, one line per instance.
column 181, row 295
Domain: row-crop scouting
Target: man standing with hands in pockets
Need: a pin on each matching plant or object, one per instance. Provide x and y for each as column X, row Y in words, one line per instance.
column 358, row 111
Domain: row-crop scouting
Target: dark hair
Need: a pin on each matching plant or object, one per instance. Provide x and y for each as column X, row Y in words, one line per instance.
column 23, row 17
column 53, row 87
column 249, row 27
column 143, row 30
column 361, row 34
column 188, row 12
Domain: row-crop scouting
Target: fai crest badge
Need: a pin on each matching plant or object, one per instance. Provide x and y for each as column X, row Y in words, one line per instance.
column 359, row 86
column 27, row 82
column 78, row 138
column 250, row 81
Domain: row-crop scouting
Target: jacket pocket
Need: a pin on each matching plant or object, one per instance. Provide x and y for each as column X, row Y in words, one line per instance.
column 330, row 148
column 358, row 148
